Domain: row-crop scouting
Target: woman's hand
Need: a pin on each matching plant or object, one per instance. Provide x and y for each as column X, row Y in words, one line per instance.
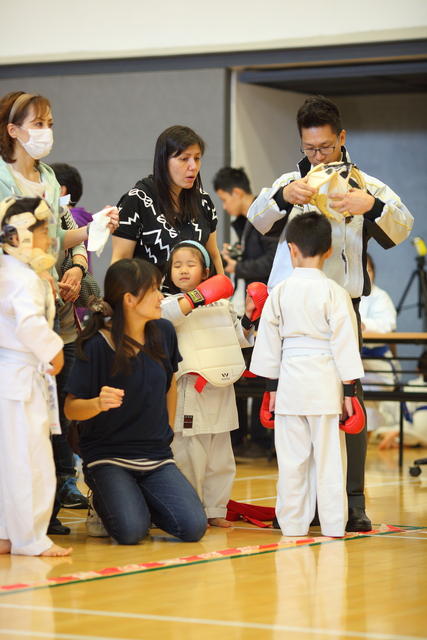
column 113, row 215
column 110, row 398
column 70, row 284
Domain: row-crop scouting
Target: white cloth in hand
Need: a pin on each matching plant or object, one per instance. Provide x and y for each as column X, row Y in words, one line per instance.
column 98, row 231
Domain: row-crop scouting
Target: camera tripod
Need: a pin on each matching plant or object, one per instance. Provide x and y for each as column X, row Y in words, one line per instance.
column 420, row 275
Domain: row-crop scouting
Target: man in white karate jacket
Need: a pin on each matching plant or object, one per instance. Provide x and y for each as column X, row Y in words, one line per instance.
column 375, row 212
column 308, row 340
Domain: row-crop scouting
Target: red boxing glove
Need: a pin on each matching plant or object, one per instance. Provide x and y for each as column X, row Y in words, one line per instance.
column 266, row 417
column 259, row 293
column 210, row 290
column 355, row 423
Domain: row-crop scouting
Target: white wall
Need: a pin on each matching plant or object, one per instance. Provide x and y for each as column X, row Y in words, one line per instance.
column 87, row 29
column 265, row 139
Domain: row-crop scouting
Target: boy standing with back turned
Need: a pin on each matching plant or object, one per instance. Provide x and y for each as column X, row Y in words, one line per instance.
column 307, row 340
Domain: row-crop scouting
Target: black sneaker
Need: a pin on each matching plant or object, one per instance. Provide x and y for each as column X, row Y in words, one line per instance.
column 56, row 528
column 70, row 496
column 358, row 520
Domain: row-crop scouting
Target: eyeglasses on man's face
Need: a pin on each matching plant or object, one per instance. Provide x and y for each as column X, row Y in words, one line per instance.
column 310, row 152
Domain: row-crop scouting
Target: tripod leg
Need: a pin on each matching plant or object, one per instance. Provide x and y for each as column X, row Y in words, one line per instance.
column 405, row 293
column 422, row 299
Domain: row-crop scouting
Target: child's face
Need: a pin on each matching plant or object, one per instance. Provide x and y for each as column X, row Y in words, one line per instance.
column 187, row 271
column 41, row 237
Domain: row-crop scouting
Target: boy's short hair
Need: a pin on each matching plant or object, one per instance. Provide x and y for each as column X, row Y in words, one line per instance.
column 69, row 177
column 229, row 178
column 310, row 232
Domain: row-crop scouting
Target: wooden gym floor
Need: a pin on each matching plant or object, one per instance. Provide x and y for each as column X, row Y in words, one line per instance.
column 240, row 583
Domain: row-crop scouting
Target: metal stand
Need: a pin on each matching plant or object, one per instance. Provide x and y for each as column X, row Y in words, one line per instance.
column 420, row 274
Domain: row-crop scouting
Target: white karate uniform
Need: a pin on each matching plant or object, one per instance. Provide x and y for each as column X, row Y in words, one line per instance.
column 307, row 339
column 378, row 314
column 27, row 470
column 202, row 444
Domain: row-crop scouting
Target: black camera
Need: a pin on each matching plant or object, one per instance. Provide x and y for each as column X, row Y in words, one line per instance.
column 235, row 251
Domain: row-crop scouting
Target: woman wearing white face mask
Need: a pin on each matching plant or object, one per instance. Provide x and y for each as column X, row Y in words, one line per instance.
column 26, row 137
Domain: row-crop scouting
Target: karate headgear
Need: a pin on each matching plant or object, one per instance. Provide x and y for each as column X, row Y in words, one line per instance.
column 16, row 238
column 335, row 177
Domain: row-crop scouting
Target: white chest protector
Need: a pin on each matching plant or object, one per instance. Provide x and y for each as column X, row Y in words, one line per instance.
column 209, row 345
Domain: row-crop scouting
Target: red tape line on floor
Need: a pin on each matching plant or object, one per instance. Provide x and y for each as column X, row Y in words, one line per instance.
column 128, row 569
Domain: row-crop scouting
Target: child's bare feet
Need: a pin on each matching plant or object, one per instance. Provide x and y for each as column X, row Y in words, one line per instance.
column 4, row 546
column 55, row 550
column 219, row 522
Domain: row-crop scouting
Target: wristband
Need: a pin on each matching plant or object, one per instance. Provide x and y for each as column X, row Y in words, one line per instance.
column 349, row 390
column 80, row 266
column 246, row 323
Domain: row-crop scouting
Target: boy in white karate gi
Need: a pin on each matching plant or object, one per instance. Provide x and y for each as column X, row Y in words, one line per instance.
column 307, row 339
column 29, row 349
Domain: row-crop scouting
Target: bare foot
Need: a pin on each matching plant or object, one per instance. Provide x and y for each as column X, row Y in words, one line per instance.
column 55, row 550
column 219, row 522
column 4, row 546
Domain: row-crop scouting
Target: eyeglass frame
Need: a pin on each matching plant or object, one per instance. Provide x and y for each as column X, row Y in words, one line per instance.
column 323, row 151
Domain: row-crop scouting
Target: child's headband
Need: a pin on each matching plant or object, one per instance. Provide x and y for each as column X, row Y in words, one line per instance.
column 198, row 246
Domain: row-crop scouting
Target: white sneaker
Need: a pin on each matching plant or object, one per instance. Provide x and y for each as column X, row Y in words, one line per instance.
column 94, row 525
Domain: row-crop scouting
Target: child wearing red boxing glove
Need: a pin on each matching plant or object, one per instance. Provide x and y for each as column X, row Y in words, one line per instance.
column 307, row 341
column 210, row 339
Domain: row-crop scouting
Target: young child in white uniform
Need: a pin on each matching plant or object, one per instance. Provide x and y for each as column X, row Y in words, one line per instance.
column 307, row 339
column 378, row 314
column 204, row 419
column 29, row 349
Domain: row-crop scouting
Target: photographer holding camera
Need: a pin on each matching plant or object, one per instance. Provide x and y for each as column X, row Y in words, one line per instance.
column 250, row 259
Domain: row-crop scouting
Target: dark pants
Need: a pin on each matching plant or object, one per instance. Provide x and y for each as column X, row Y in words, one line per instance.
column 129, row 501
column 62, row 452
column 357, row 445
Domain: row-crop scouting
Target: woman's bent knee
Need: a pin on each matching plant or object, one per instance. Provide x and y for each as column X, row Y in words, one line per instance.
column 194, row 529
column 129, row 536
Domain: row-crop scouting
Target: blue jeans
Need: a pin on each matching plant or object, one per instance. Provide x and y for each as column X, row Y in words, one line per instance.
column 127, row 501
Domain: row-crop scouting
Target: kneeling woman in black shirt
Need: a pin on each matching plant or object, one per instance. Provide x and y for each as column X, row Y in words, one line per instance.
column 122, row 390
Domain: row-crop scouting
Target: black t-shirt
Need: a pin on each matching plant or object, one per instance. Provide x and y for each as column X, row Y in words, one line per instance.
column 142, row 221
column 140, row 427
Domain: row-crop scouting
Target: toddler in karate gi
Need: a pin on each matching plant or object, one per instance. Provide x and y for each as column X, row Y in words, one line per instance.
column 307, row 340
column 210, row 338
column 29, row 349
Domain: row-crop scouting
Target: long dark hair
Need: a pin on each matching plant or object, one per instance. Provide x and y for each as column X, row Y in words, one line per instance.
column 124, row 276
column 170, row 144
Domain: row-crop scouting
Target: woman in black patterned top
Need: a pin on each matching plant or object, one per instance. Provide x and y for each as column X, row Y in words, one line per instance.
column 169, row 206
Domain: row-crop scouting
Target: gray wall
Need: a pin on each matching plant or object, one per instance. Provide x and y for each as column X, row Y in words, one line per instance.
column 107, row 124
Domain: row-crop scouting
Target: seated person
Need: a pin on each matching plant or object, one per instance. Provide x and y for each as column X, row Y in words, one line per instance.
column 415, row 415
column 378, row 315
